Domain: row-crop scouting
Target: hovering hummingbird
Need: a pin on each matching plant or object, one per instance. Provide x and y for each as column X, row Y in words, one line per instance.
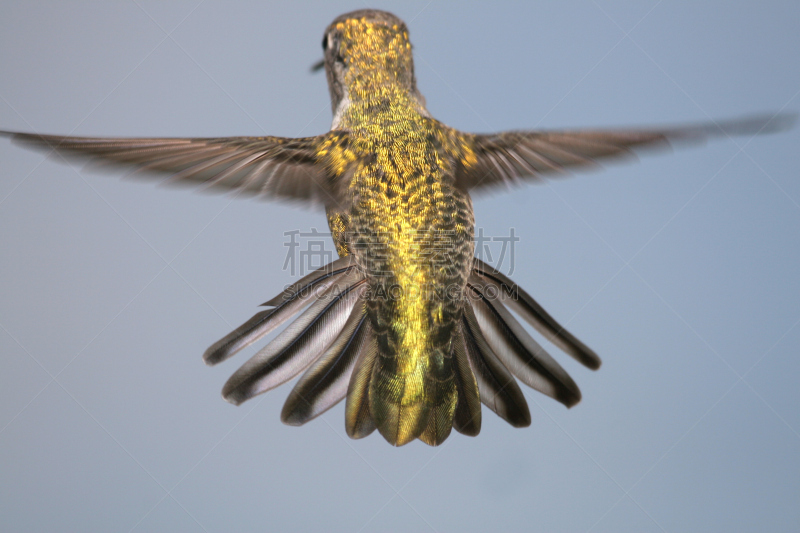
column 407, row 325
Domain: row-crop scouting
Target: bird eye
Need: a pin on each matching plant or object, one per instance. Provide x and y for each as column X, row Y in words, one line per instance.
column 325, row 42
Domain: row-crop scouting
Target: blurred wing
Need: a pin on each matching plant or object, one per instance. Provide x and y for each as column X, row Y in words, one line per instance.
column 263, row 166
column 506, row 157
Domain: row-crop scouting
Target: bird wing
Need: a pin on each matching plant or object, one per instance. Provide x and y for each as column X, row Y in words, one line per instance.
column 260, row 166
column 507, row 157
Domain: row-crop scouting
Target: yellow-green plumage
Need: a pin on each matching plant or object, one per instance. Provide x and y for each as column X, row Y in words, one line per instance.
column 409, row 227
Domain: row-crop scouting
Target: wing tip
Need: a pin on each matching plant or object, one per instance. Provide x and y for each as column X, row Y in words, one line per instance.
column 762, row 123
column 755, row 124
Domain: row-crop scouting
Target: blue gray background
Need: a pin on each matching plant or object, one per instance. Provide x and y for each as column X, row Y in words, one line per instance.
column 680, row 271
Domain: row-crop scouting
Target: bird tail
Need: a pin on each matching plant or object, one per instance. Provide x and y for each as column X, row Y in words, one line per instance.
column 333, row 342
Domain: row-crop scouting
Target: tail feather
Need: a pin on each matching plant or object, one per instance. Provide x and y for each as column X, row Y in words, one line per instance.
column 398, row 401
column 467, row 418
column 533, row 313
column 499, row 390
column 443, row 399
column 335, row 340
column 325, row 383
column 358, row 419
column 285, row 306
column 520, row 354
column 314, row 282
column 296, row 347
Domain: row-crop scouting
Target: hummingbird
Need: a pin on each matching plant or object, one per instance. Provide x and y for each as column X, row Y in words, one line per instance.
column 407, row 325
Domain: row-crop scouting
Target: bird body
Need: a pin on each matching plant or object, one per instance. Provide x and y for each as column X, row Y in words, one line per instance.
column 408, row 226
column 406, row 325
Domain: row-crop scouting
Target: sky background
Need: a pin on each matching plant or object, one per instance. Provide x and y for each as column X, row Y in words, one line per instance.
column 681, row 271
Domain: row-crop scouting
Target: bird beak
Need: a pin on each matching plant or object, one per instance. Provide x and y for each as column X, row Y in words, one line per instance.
column 319, row 65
